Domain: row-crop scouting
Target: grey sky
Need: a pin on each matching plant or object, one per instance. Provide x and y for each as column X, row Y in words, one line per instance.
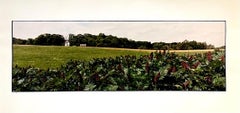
column 209, row 32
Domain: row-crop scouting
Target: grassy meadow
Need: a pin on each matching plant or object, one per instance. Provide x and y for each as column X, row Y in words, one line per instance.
column 54, row 56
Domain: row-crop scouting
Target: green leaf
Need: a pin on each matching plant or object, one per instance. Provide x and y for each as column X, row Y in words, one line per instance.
column 89, row 87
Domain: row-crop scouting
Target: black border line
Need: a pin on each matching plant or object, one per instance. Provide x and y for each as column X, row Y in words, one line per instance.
column 225, row 26
column 225, row 53
column 119, row 20
column 12, row 55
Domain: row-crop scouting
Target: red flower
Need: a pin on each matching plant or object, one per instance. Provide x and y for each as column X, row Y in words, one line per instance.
column 172, row 69
column 185, row 65
column 209, row 56
column 190, row 58
column 156, row 77
column 208, row 79
column 223, row 59
column 147, row 67
column 195, row 65
column 96, row 76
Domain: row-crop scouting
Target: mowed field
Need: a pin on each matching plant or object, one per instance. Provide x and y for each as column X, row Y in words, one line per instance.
column 54, row 56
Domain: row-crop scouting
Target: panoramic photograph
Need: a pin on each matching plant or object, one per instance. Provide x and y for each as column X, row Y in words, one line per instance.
column 118, row 56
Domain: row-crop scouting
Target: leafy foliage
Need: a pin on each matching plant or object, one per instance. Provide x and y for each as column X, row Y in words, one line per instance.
column 43, row 39
column 103, row 40
column 156, row 71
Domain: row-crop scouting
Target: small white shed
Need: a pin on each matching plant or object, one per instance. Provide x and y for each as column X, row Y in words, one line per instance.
column 67, row 43
column 83, row 45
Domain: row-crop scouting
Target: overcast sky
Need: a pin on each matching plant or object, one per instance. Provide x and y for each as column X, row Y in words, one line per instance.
column 209, row 32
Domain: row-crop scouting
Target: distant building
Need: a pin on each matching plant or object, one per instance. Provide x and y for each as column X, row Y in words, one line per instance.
column 67, row 43
column 83, row 45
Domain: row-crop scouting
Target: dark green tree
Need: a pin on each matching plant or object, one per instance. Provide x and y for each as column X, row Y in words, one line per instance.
column 50, row 39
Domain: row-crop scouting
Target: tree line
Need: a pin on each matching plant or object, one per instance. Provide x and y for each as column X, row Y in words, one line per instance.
column 43, row 39
column 102, row 40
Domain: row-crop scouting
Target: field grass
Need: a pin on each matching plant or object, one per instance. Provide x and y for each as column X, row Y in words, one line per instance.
column 54, row 56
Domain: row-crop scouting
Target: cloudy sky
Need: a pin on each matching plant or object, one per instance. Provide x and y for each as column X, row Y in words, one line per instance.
column 154, row 31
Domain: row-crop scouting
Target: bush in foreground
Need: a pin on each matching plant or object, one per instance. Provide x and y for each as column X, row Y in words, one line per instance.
column 156, row 71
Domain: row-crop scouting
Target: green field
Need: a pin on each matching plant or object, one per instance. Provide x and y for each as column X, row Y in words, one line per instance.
column 54, row 56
